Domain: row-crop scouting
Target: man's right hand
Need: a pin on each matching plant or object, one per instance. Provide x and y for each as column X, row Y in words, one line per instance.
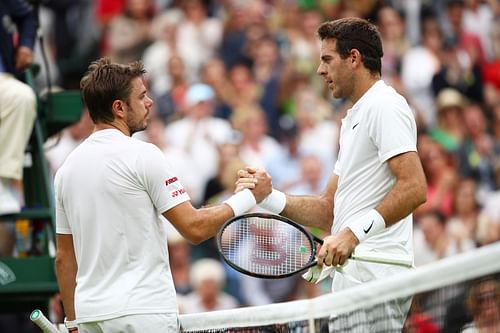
column 257, row 180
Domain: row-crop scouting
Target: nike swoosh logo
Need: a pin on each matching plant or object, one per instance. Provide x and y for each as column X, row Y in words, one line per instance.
column 355, row 126
column 369, row 228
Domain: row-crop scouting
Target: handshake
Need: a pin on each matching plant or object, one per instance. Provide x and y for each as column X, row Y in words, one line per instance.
column 254, row 186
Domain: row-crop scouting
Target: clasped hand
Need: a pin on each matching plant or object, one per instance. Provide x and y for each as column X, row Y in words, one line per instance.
column 257, row 180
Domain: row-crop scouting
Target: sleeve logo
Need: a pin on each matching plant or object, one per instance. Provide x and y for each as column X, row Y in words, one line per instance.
column 178, row 192
column 170, row 180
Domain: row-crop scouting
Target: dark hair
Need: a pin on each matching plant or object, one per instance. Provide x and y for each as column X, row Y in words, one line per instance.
column 106, row 82
column 355, row 33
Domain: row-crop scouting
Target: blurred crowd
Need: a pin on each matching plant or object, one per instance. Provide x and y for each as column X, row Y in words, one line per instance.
column 234, row 83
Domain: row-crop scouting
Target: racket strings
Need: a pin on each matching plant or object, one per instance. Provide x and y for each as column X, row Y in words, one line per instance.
column 266, row 246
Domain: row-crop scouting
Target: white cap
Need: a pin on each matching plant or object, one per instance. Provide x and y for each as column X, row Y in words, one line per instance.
column 199, row 92
column 207, row 269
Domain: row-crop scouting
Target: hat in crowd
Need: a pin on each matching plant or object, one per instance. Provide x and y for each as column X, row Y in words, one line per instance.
column 207, row 269
column 199, row 92
column 448, row 98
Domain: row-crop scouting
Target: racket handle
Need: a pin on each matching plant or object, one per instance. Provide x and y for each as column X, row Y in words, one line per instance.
column 41, row 321
column 384, row 258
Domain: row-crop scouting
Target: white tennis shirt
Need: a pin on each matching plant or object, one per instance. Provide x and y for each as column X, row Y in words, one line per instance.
column 380, row 125
column 109, row 194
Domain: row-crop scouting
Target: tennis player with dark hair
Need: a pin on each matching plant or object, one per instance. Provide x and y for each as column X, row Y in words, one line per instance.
column 377, row 181
column 112, row 261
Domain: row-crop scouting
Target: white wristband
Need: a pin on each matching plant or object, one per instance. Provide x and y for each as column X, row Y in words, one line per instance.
column 275, row 202
column 368, row 225
column 70, row 323
column 241, row 202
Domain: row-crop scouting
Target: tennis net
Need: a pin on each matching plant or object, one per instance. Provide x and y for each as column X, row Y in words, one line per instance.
column 450, row 295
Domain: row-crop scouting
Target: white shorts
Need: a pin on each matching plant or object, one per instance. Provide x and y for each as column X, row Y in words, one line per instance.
column 161, row 322
column 387, row 317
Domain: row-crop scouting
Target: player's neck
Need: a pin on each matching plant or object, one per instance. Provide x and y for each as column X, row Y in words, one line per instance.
column 363, row 83
column 102, row 126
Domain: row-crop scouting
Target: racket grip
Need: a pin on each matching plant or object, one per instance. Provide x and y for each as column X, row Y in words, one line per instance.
column 384, row 258
column 41, row 321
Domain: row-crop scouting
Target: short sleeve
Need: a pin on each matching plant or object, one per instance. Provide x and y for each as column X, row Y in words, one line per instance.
column 392, row 128
column 62, row 225
column 336, row 169
column 159, row 180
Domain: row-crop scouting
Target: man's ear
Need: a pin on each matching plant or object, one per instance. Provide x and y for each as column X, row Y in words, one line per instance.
column 355, row 58
column 119, row 108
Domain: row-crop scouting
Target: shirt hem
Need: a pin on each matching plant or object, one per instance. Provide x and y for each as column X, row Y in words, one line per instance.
column 395, row 152
column 88, row 319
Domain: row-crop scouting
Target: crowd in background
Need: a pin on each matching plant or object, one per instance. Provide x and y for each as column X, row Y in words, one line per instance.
column 234, row 83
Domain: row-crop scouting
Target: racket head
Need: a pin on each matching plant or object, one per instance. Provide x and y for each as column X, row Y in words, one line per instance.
column 266, row 245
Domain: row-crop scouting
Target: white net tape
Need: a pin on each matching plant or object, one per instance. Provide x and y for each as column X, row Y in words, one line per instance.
column 449, row 271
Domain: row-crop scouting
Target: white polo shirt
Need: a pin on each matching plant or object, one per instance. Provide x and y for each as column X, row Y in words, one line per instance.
column 109, row 194
column 379, row 126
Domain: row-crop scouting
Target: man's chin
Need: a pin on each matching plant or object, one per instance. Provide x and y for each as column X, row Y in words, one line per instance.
column 137, row 129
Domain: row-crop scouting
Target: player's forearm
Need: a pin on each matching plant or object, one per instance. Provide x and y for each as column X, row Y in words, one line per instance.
column 210, row 219
column 66, row 279
column 402, row 200
column 311, row 211
column 197, row 225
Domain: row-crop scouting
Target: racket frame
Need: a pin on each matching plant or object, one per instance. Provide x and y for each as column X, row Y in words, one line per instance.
column 313, row 240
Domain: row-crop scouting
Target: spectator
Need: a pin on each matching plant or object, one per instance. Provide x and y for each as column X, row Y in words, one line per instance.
column 433, row 241
column 491, row 210
column 267, row 70
column 199, row 133
column 232, row 49
column 441, row 177
column 75, row 37
column 491, row 69
column 483, row 303
column 256, row 145
column 284, row 167
column 181, row 161
column 313, row 179
column 129, row 33
column 198, row 37
column 475, row 155
column 467, row 224
column 214, row 73
column 59, row 146
column 458, row 71
column 419, row 65
column 228, row 153
column 207, row 279
column 495, row 132
column 172, row 102
column 179, row 254
column 156, row 56
column 17, row 99
column 245, row 90
column 391, row 25
column 477, row 19
column 315, row 124
column 457, row 34
column 450, row 131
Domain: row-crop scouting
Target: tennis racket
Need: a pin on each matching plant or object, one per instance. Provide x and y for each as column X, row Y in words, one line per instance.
column 272, row 246
column 41, row 321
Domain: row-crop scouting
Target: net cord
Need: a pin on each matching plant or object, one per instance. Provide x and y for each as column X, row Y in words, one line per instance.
column 466, row 266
